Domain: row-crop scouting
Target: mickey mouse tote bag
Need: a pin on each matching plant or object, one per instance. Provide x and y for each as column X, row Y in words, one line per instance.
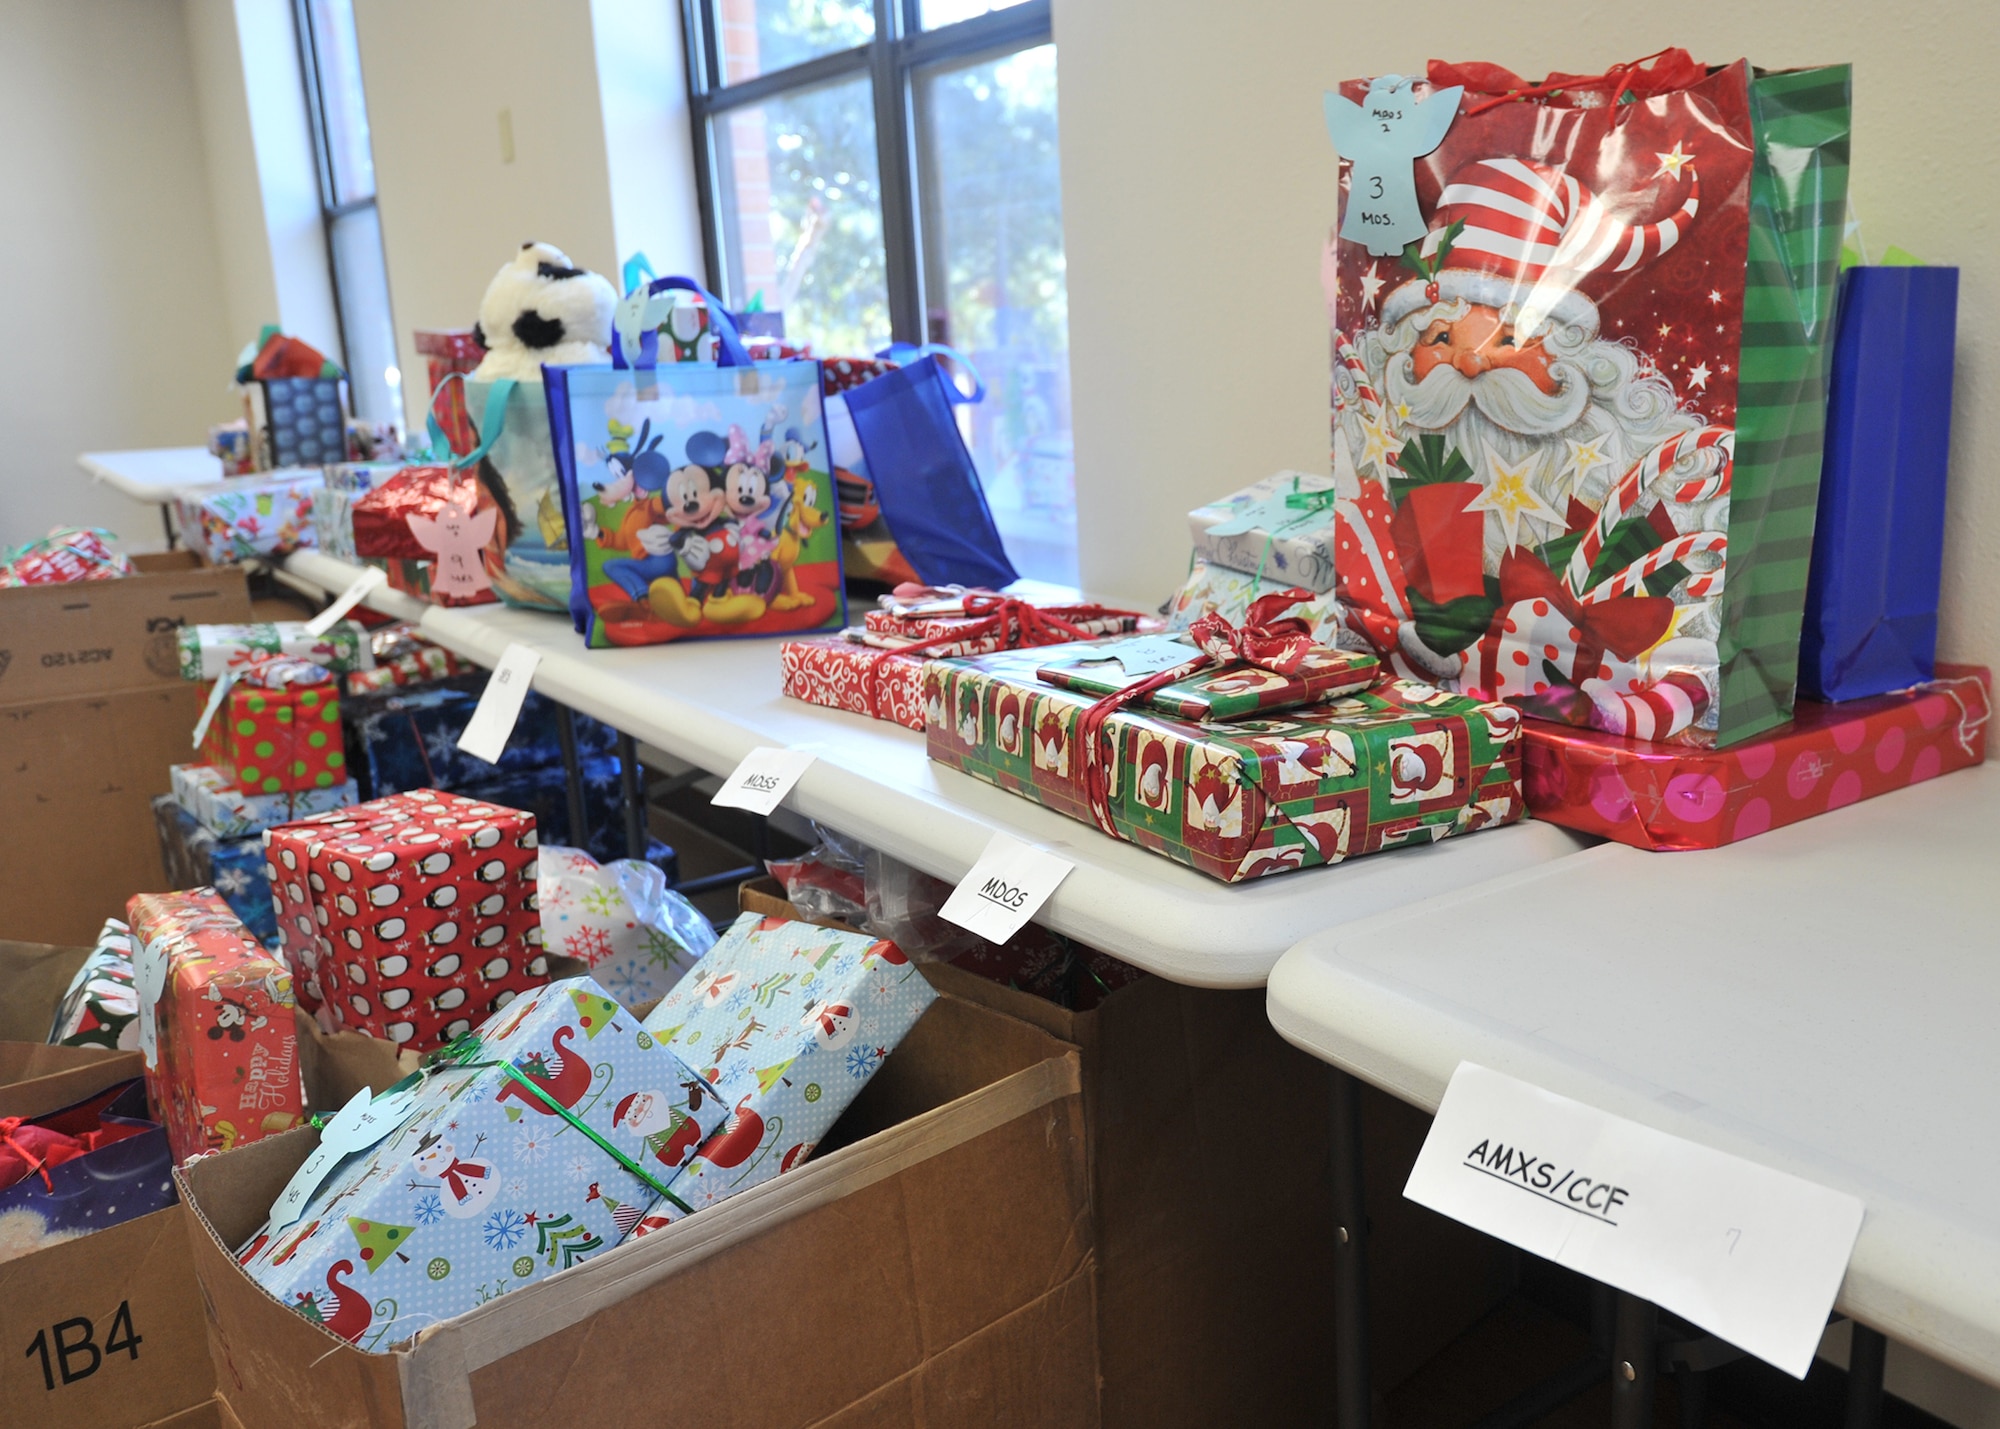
column 1579, row 382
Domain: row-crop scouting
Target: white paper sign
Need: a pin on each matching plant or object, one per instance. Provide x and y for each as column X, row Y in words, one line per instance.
column 149, row 981
column 762, row 780
column 487, row 732
column 1750, row 1254
column 349, row 598
column 365, row 1120
column 1006, row 886
column 214, row 706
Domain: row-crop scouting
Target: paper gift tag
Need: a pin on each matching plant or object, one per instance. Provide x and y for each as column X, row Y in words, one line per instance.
column 365, row 1120
column 149, row 980
column 762, row 780
column 1750, row 1254
column 1005, row 888
column 349, row 598
column 214, row 706
column 486, row 733
column 1139, row 656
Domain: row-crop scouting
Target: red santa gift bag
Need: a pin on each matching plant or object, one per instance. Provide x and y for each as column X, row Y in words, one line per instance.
column 1579, row 382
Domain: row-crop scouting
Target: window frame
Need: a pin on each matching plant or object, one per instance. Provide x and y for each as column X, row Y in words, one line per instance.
column 901, row 50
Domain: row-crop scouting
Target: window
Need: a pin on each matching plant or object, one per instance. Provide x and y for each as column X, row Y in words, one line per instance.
column 331, row 59
column 887, row 168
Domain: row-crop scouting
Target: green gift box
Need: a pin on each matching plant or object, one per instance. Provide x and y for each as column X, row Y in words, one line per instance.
column 1401, row 763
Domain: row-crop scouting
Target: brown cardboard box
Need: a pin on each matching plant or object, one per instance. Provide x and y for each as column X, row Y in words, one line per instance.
column 1211, row 1191
column 132, row 1284
column 929, row 1267
column 33, row 978
column 93, row 712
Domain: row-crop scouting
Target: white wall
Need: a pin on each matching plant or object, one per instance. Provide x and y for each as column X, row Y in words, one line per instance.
column 113, row 288
column 1199, row 184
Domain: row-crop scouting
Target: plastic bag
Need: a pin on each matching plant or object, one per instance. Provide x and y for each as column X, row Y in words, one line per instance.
column 637, row 935
column 828, row 881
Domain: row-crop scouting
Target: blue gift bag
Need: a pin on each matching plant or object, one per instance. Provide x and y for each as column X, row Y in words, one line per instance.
column 1878, row 545
column 925, row 481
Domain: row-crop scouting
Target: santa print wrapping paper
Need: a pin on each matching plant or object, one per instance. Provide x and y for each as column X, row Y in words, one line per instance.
column 484, row 1187
column 845, row 674
column 222, row 1067
column 1668, row 797
column 409, row 918
column 1218, row 590
column 1403, row 763
column 1577, row 426
column 1322, row 674
column 788, row 1021
column 906, row 623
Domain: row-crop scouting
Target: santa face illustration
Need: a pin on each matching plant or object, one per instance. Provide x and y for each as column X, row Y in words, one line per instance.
column 643, row 1113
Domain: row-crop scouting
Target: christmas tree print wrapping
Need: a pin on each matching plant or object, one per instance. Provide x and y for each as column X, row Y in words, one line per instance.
column 100, row 1008
column 1280, row 528
column 788, row 1021
column 274, row 733
column 1402, row 763
column 228, row 813
column 636, row 935
column 483, row 1187
column 1577, row 426
column 1211, row 589
column 409, row 918
column 208, row 652
column 240, row 517
column 1211, row 694
column 1665, row 796
column 221, row 1057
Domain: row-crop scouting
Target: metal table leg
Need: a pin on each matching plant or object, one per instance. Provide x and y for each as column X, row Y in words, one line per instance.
column 167, row 520
column 1867, row 1357
column 579, row 834
column 1350, row 1261
column 633, row 788
column 1634, row 1355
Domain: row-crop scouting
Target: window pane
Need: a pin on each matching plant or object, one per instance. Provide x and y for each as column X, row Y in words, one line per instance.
column 801, row 216
column 950, row 12
column 754, row 37
column 373, row 380
column 994, row 246
column 344, row 109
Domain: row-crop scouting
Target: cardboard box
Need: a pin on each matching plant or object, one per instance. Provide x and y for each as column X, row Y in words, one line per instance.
column 33, row 978
column 930, row 1266
column 130, row 1286
column 93, row 714
column 1215, row 1309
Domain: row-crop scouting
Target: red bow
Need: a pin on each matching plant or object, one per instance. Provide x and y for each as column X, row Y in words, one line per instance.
column 1626, row 626
column 1017, row 624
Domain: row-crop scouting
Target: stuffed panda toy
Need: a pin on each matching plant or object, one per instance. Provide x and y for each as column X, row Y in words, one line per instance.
column 541, row 308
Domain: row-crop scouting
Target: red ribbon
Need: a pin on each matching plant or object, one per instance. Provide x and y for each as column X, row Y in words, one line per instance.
column 1018, row 625
column 29, row 1157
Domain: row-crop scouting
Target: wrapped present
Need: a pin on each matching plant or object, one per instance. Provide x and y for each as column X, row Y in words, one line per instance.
column 229, row 813
column 232, row 445
column 275, row 727
column 215, row 1024
column 949, row 621
column 519, row 1152
column 240, row 517
column 101, row 1007
column 408, row 739
column 423, row 665
column 68, row 553
column 838, row 374
column 1280, row 528
column 1399, row 764
column 409, row 918
column 298, row 421
column 1319, row 674
column 87, row 1167
column 788, row 1021
column 443, row 516
column 1211, row 589
column 333, row 508
column 636, row 935
column 234, row 867
column 1667, row 796
column 208, row 652
column 845, row 674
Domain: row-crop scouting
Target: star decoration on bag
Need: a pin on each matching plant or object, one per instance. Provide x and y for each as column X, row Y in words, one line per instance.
column 1510, row 497
column 1582, row 457
column 1698, row 376
column 1371, row 285
column 1672, row 164
column 1374, row 442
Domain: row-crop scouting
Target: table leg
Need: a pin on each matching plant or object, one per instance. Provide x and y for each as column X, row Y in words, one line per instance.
column 1634, row 1355
column 167, row 520
column 1867, row 1357
column 579, row 835
column 633, row 787
column 1350, row 1261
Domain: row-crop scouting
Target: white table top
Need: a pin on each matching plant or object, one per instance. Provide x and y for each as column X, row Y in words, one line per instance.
column 1822, row 999
column 710, row 702
column 153, row 475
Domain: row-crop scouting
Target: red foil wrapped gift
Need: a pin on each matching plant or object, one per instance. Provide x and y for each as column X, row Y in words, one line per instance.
column 449, row 351
column 442, row 517
column 410, row 918
column 1666, row 797
column 222, row 1066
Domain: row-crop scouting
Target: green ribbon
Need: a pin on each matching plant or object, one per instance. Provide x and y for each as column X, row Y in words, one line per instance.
column 460, row 1054
column 1308, row 505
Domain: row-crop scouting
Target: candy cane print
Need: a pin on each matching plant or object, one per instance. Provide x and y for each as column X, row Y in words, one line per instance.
column 1630, row 492
column 1632, row 579
column 1344, row 350
column 1660, row 711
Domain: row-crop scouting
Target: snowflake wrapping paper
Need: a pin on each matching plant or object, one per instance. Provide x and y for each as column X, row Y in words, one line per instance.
column 483, row 1187
column 1211, row 589
column 208, row 652
column 223, row 1067
column 240, row 517
column 1280, row 528
column 197, row 858
column 408, row 739
column 409, row 918
column 204, row 791
column 101, row 1007
column 844, row 674
column 788, row 1021
column 1396, row 765
column 636, row 935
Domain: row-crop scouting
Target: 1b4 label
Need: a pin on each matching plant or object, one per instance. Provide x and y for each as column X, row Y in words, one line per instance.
column 69, row 1348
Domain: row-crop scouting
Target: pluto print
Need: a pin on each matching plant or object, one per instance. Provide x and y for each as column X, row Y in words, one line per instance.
column 1577, row 422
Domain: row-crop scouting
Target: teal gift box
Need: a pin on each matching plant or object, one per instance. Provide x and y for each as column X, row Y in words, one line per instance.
column 788, row 1021
column 509, row 1157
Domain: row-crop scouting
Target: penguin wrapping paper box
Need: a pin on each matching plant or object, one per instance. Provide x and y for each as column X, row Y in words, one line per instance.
column 409, row 918
column 502, row 1163
column 1579, row 395
column 215, row 1024
column 787, row 1021
column 1399, row 764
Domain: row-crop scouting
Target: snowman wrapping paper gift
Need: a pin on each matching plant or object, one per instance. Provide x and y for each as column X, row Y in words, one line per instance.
column 510, row 1157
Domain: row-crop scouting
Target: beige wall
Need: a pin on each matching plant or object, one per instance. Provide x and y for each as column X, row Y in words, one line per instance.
column 1198, row 186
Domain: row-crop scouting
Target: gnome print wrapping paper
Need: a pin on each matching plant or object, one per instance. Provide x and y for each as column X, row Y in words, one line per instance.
column 1576, row 423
